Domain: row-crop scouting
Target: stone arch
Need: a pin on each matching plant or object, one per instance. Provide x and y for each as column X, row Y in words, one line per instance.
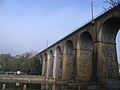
column 51, row 63
column 69, row 59
column 107, row 57
column 44, row 67
column 59, row 62
column 109, row 30
column 41, row 64
column 41, row 59
column 86, row 41
column 85, row 56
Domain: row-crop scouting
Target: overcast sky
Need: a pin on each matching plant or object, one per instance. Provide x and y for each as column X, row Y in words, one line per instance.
column 25, row 25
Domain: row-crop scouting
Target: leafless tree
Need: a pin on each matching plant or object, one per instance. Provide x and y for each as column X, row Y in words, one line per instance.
column 112, row 3
column 29, row 54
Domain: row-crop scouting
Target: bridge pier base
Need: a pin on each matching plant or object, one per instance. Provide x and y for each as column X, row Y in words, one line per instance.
column 107, row 62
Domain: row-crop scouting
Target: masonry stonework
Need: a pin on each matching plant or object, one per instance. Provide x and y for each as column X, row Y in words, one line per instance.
column 86, row 55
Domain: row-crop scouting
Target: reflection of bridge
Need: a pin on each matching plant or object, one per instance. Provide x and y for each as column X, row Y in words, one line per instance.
column 88, row 54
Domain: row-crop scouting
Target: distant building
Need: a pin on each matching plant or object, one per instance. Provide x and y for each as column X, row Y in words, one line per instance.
column 17, row 56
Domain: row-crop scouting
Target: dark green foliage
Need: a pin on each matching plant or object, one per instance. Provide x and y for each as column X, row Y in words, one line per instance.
column 5, row 57
column 26, row 65
column 37, row 68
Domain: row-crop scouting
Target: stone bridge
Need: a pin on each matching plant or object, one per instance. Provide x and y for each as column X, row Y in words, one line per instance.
column 88, row 54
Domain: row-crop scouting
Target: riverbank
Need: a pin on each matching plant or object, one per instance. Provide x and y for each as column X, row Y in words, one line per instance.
column 22, row 78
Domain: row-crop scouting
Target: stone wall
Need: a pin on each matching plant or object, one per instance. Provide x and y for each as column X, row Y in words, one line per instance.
column 88, row 54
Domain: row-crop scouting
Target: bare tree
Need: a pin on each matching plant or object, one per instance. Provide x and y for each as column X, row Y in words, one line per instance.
column 29, row 54
column 112, row 3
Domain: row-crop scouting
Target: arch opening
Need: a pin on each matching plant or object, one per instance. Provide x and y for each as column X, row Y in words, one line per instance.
column 118, row 49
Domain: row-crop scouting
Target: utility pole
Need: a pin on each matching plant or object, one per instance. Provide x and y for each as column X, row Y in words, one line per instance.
column 47, row 43
column 92, row 12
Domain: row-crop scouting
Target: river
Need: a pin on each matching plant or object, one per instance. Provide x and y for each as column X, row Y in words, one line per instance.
column 36, row 86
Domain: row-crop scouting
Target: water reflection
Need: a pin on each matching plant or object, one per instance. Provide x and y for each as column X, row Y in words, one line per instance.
column 19, row 86
column 26, row 86
column 59, row 87
column 36, row 86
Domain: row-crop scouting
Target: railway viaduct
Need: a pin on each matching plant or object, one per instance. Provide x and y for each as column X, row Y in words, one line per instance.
column 87, row 54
